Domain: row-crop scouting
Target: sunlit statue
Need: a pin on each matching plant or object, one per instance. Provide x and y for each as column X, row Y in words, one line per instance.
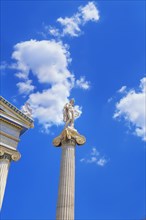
column 27, row 110
column 70, row 113
column 69, row 135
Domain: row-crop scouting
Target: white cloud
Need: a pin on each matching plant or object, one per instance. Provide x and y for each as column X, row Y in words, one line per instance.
column 54, row 31
column 72, row 25
column 89, row 12
column 48, row 62
column 122, row 89
column 21, row 75
column 48, row 29
column 132, row 108
column 102, row 162
column 79, row 110
column 25, row 87
column 94, row 157
column 47, row 105
column 94, row 152
column 92, row 160
column 82, row 83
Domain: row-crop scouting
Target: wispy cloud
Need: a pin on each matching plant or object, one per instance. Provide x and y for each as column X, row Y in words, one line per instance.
column 25, row 87
column 94, row 157
column 122, row 89
column 3, row 66
column 54, row 31
column 71, row 26
column 131, row 108
column 110, row 100
column 82, row 83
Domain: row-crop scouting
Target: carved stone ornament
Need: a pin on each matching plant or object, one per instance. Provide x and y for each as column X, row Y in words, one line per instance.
column 14, row 154
column 69, row 135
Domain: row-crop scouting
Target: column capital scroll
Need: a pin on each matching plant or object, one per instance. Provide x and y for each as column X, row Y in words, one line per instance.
column 69, row 136
column 10, row 154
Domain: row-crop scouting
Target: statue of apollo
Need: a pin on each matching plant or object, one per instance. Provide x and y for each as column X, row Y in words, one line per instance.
column 69, row 114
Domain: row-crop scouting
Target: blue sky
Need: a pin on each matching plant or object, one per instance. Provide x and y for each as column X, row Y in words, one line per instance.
column 95, row 52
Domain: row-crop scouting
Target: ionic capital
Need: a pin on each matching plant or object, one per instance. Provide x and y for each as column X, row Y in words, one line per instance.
column 9, row 154
column 69, row 137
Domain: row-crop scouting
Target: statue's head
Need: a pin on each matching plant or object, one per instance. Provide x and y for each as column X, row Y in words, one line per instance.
column 72, row 101
column 27, row 103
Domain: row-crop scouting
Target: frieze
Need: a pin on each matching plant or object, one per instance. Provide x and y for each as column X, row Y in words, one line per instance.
column 8, row 141
column 10, row 129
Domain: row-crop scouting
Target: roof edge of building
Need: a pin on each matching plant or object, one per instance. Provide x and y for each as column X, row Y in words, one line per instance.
column 2, row 99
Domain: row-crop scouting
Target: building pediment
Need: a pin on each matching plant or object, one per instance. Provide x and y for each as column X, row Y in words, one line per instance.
column 13, row 115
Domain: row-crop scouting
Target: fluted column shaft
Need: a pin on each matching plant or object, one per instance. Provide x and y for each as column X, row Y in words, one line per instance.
column 65, row 204
column 4, row 168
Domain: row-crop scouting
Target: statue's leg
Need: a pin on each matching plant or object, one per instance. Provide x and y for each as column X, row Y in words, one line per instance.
column 72, row 123
column 67, row 123
column 69, row 116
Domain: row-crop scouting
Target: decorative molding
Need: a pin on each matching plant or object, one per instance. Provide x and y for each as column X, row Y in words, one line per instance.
column 11, row 123
column 9, row 142
column 5, row 157
column 6, row 153
column 69, row 137
column 9, row 136
column 16, row 110
column 15, row 118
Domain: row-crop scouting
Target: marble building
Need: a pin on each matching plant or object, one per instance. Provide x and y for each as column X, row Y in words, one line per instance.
column 13, row 124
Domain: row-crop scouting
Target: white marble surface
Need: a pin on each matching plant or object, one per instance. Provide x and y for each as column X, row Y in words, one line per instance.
column 4, row 168
column 65, row 205
column 8, row 141
column 10, row 129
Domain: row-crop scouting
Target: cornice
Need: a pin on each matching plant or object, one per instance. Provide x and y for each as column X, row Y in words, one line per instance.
column 17, row 119
column 14, row 109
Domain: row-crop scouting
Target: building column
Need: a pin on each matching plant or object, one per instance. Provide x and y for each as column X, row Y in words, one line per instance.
column 65, row 204
column 67, row 140
column 4, row 168
column 6, row 156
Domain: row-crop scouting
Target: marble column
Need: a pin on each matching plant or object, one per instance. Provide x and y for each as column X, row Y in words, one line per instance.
column 66, row 195
column 65, row 204
column 4, row 168
column 6, row 156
